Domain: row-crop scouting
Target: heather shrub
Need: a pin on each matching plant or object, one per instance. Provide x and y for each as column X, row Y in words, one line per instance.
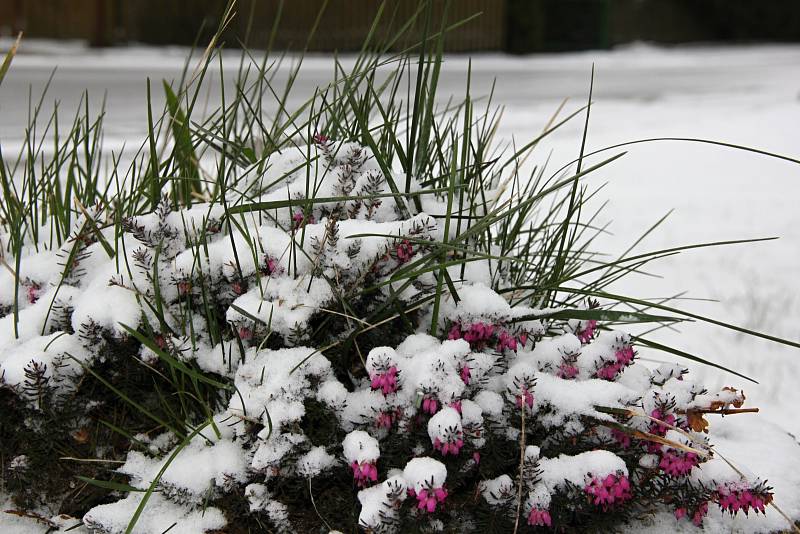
column 359, row 316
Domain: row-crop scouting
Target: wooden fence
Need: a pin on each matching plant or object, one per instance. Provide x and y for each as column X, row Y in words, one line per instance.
column 510, row 25
column 343, row 25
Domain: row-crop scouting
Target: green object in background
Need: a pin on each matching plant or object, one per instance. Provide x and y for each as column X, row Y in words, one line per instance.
column 556, row 25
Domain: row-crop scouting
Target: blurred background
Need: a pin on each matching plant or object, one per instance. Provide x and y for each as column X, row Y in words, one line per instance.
column 516, row 26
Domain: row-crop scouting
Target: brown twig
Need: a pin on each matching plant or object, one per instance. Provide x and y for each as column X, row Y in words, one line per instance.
column 521, row 469
column 31, row 515
column 724, row 411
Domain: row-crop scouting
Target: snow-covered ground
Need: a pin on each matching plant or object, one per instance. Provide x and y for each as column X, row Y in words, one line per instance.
column 741, row 95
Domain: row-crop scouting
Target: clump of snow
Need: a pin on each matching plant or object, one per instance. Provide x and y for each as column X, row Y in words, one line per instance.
column 579, row 468
column 272, row 384
column 358, row 446
column 381, row 502
column 56, row 358
column 201, row 465
column 315, row 462
column 424, row 473
column 159, row 515
column 498, row 490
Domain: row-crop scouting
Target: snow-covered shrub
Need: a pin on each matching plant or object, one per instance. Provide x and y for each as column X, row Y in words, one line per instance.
column 550, row 420
column 354, row 335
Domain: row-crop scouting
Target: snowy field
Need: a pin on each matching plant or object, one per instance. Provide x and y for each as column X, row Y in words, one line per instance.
column 742, row 95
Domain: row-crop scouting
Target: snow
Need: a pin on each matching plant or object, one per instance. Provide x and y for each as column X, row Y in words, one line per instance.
column 444, row 423
column 490, row 402
column 569, row 398
column 283, row 304
column 52, row 353
column 220, row 359
column 471, row 413
column 31, row 318
column 497, row 490
column 270, row 390
column 577, row 469
column 197, row 469
column 315, row 462
column 424, row 473
column 45, row 524
column 158, row 516
column 332, row 393
column 358, row 446
column 376, row 502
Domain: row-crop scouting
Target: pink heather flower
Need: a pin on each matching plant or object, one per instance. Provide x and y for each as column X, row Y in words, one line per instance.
column 428, row 499
column 586, row 333
column 271, row 266
column 33, row 290
column 506, row 341
column 364, row 473
column 384, row 420
column 449, row 447
column 526, row 397
column 539, row 518
column 523, row 338
column 184, row 287
column 622, row 358
column 456, row 405
column 680, row 513
column 660, row 429
column 677, row 464
column 567, row 371
column 404, row 251
column 466, row 374
column 735, row 497
column 699, row 514
column 386, row 381
column 245, row 333
column 299, row 220
column 609, row 371
column 478, row 334
column 613, row 489
column 320, row 139
column 622, row 438
column 455, row 332
column 238, row 287
column 430, row 404
column 477, row 457
column 625, row 355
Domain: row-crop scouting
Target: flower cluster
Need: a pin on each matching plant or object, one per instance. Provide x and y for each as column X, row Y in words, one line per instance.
column 585, row 332
column 676, row 464
column 446, row 432
column 404, row 251
column 364, row 473
column 609, row 490
column 696, row 515
column 622, row 358
column 733, row 497
column 428, row 499
column 539, row 518
column 385, row 381
column 481, row 334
